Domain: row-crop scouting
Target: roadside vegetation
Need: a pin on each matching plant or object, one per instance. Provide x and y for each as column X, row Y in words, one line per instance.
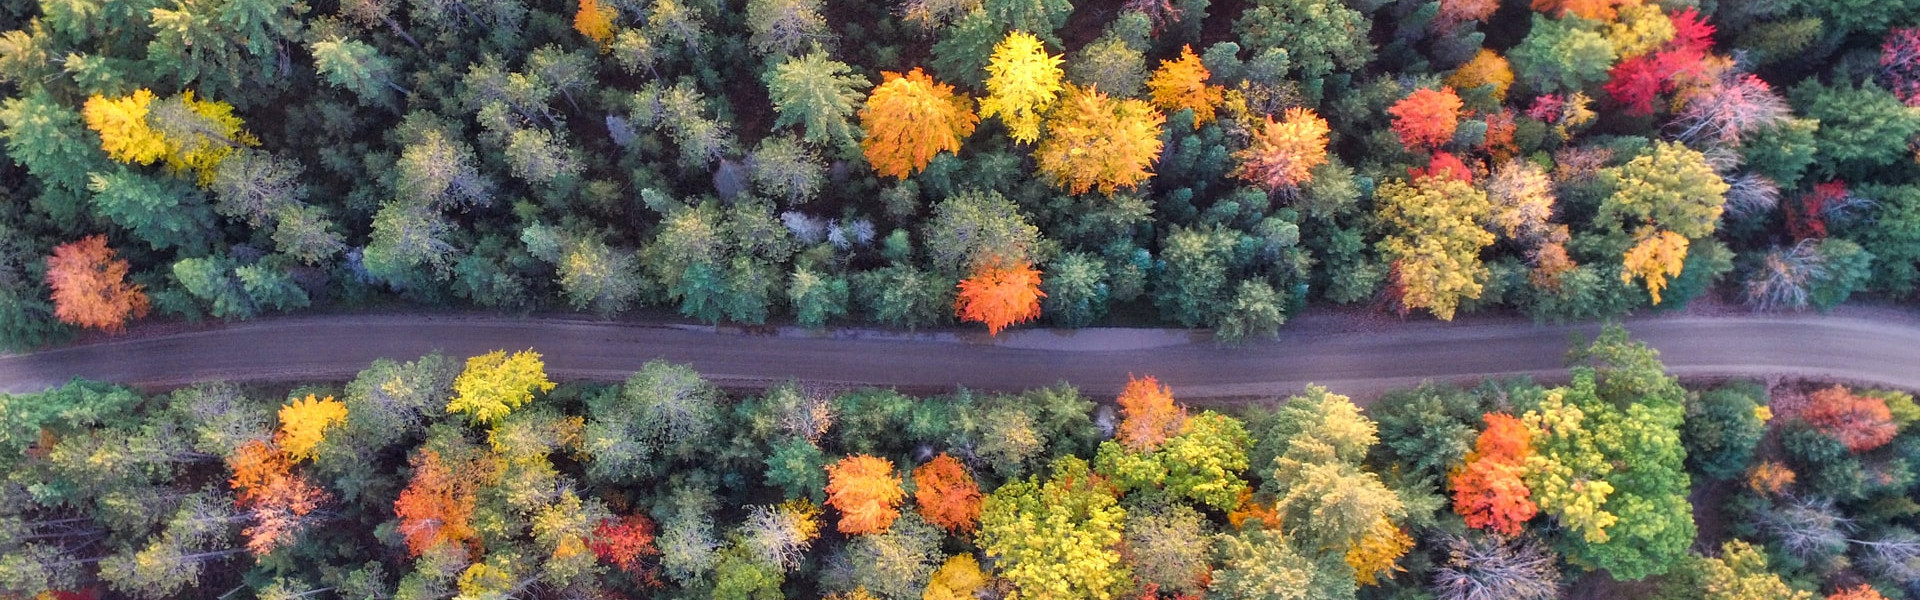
column 434, row 478
column 920, row 163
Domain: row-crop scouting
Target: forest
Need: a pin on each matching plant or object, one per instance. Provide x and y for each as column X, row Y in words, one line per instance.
column 436, row 479
column 921, row 163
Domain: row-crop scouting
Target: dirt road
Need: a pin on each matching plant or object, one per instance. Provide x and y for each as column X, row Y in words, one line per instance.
column 1361, row 361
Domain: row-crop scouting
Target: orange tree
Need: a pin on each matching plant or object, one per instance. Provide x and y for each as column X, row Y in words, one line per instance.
column 910, row 118
column 866, row 492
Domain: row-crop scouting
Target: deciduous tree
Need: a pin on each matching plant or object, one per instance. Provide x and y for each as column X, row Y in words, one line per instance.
column 1284, row 154
column 867, row 493
column 1097, row 142
column 437, row 504
column 1181, row 84
column 1860, row 422
column 947, row 495
column 495, row 383
column 1426, row 118
column 304, row 422
column 90, row 287
column 595, row 20
column 1148, row 415
column 1000, row 296
column 1488, row 68
column 1654, row 259
column 1022, row 83
column 1434, row 240
column 1076, row 556
column 910, row 118
column 1487, row 488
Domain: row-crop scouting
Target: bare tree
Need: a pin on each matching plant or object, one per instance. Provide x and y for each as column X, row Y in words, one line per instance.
column 1492, row 567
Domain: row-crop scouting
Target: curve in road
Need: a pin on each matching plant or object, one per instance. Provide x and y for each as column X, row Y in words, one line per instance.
column 1361, row 363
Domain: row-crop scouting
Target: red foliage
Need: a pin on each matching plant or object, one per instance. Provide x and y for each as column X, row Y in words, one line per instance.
column 1861, row 422
column 1638, row 81
column 1547, row 109
column 1806, row 217
column 90, row 286
column 625, row 542
column 1455, row 12
column 1691, row 32
column 1900, row 64
column 947, row 494
column 1444, row 165
column 1487, row 490
column 1500, row 130
column 436, row 506
column 1426, row 118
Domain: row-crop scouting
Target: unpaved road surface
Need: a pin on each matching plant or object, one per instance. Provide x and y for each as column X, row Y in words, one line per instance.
column 1358, row 360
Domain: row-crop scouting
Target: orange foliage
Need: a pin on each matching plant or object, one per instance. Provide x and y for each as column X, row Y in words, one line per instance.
column 1182, row 84
column 947, row 495
column 910, row 118
column 1000, row 296
column 1379, row 552
column 595, row 20
column 1488, row 491
column 1148, row 415
column 278, row 500
column 1861, row 422
column 1500, row 130
column 1252, row 509
column 1598, row 10
column 1862, row 592
column 436, row 506
column 90, row 286
column 866, row 492
column 624, row 542
column 1770, row 478
column 1455, row 12
column 1426, row 118
column 1283, row 154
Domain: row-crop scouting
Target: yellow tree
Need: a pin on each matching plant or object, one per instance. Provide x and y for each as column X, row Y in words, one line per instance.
column 1656, row 257
column 1022, row 82
column 910, row 118
column 1379, row 551
column 1097, row 142
column 1488, row 68
column 1433, row 242
column 494, row 384
column 1283, row 154
column 304, row 423
column 595, row 20
column 1182, row 84
column 123, row 129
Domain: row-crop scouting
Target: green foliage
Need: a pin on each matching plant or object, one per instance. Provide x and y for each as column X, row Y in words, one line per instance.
column 1862, row 128
column 1319, row 36
column 819, row 95
column 1562, row 55
column 1723, row 425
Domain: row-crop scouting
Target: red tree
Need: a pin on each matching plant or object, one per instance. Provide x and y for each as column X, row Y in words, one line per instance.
column 1444, row 165
column 1488, row 491
column 1638, row 81
column 436, row 506
column 1862, row 592
column 947, row 494
column 1861, row 422
column 90, row 286
column 626, row 542
column 1806, row 216
column 1900, row 64
column 1426, row 118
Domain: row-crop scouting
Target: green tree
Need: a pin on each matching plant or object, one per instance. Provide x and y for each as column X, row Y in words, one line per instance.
column 1722, row 427
column 1256, row 564
column 1192, row 288
column 1075, row 556
column 1562, row 55
column 816, row 297
column 166, row 214
column 1255, row 311
column 357, row 67
column 1319, row 36
column 1326, row 502
column 49, row 140
column 1861, row 129
column 212, row 280
column 1076, row 289
column 1739, row 573
column 975, row 229
column 787, row 26
column 818, row 94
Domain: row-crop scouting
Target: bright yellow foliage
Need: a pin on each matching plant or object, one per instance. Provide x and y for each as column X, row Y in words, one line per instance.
column 1283, row 154
column 1653, row 259
column 494, row 384
column 1379, row 552
column 595, row 20
column 1434, row 240
column 1642, row 28
column 304, row 423
column 1486, row 68
column 485, row 581
column 805, row 515
column 1022, row 82
column 199, row 140
column 1097, row 142
column 1567, row 477
column 957, row 579
column 1181, row 84
column 122, row 125
column 910, row 118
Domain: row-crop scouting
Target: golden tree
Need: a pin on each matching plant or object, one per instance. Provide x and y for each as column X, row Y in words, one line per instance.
column 1654, row 259
column 1022, row 82
column 1097, row 142
column 122, row 125
column 910, row 118
column 304, row 423
column 1182, row 84
column 1433, row 241
column 1488, row 68
column 494, row 384
column 1378, row 552
column 90, row 286
column 595, row 20
column 866, row 492
column 1283, row 154
column 1000, row 296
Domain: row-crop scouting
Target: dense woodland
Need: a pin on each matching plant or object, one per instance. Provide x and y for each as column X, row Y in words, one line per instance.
column 433, row 479
column 1204, row 163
